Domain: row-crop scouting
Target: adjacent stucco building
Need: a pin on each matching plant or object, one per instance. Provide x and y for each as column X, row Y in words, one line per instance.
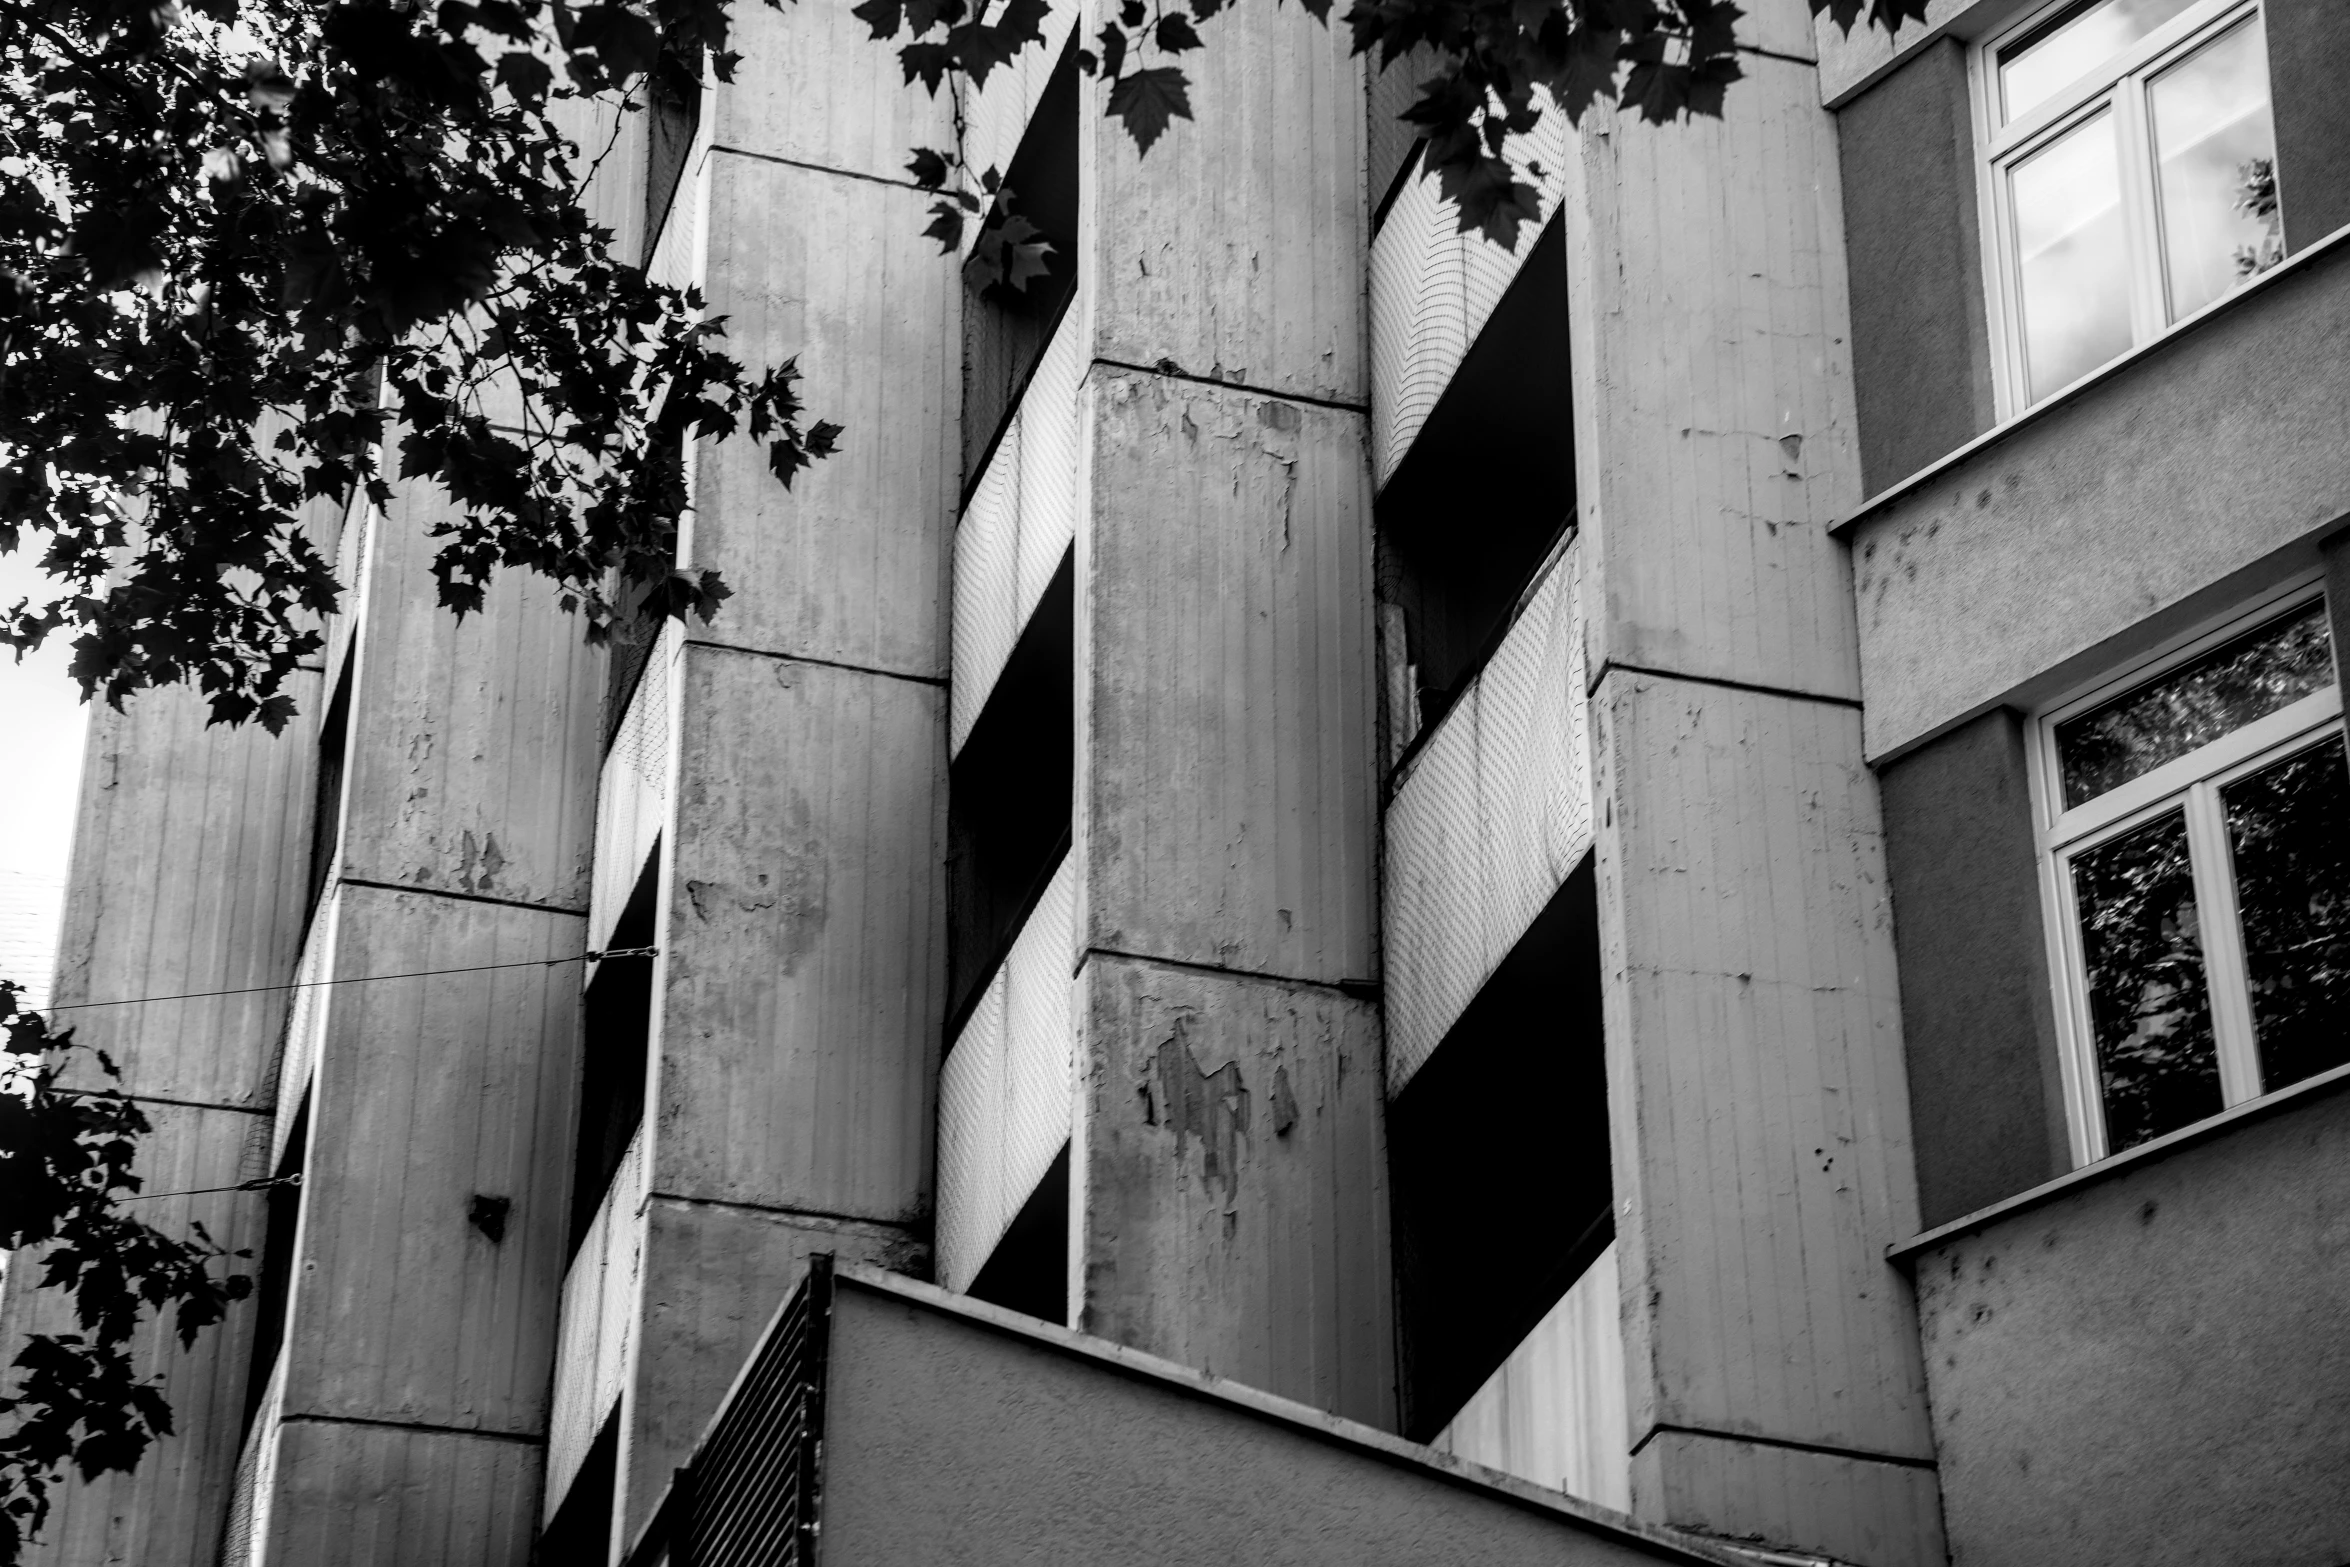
column 1699, row 869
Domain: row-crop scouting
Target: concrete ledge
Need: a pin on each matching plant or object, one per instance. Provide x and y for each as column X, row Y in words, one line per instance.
column 2120, row 1164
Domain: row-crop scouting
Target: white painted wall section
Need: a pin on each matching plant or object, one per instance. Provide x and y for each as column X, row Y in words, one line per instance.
column 996, row 116
column 1004, row 1097
column 1555, row 1413
column 632, row 797
column 305, row 1021
column 1491, row 818
column 599, row 1320
column 1021, row 520
column 1433, row 289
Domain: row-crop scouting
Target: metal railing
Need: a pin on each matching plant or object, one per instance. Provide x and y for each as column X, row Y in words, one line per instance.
column 750, row 1494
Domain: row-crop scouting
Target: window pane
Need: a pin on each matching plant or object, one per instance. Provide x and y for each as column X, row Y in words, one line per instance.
column 2216, row 156
column 2059, row 54
column 2149, row 1008
column 2195, row 704
column 2071, row 255
column 2290, row 827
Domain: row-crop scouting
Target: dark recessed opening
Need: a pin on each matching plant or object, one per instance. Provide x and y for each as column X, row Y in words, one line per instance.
column 1009, row 795
column 1468, row 518
column 673, row 112
column 282, row 1227
column 1499, row 1150
column 616, row 1028
column 581, row 1530
column 1028, row 1271
column 1005, row 330
column 334, row 744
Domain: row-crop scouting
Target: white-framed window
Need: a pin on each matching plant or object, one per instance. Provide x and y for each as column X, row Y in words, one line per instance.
column 2128, row 166
column 2194, row 831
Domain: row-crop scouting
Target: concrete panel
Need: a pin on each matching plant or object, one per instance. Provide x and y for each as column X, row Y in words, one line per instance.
column 2186, row 472
column 190, row 857
column 849, row 564
column 713, row 1276
column 1751, row 1007
column 803, row 963
column 442, row 713
column 1715, row 436
column 970, row 1436
column 1492, row 817
column 2308, row 57
column 1921, row 339
column 815, row 87
column 375, row 1496
column 1985, row 1092
column 430, row 1093
column 1233, row 1181
column 1236, row 246
column 1852, row 1509
column 169, row 1511
column 1226, row 722
column 1433, row 288
column 1554, row 1414
column 2149, row 1368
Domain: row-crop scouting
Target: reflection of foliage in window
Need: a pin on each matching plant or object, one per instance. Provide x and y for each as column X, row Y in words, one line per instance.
column 2195, row 705
column 2149, row 1006
column 2290, row 827
column 2256, row 198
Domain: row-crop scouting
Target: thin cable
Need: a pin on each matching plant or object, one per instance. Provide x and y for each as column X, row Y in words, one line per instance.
column 363, row 979
column 259, row 1184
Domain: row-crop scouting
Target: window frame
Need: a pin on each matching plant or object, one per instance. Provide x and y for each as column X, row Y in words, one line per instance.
column 2117, row 86
column 2190, row 784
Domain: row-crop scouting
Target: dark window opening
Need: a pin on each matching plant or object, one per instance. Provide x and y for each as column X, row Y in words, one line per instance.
column 1005, row 330
column 281, row 1229
column 326, row 819
column 615, row 1035
column 1028, row 1271
column 1009, row 797
column 1469, row 517
column 1499, row 1153
column 673, row 112
column 580, row 1533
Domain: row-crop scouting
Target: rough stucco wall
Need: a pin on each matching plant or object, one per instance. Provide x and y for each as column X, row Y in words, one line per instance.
column 2308, row 59
column 950, row 1441
column 1986, row 1103
column 2208, row 457
column 1921, row 346
column 2153, row 1369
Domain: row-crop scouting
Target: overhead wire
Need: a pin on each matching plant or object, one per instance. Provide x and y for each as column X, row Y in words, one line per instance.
column 360, row 979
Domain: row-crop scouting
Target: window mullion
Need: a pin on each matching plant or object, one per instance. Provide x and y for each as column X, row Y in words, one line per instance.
column 2148, row 308
column 2223, row 944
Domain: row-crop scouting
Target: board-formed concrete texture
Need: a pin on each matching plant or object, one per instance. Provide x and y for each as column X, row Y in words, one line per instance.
column 2146, row 1367
column 958, row 1433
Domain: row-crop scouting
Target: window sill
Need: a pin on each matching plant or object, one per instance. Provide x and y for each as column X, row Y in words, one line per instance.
column 2308, row 256
column 2121, row 1163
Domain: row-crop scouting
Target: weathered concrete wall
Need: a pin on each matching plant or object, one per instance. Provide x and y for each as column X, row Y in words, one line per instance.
column 191, row 845
column 418, row 1345
column 1753, row 1050
column 1227, row 1169
column 800, row 988
column 954, row 1435
column 1986, row 1095
column 2187, row 479
column 2149, row 1369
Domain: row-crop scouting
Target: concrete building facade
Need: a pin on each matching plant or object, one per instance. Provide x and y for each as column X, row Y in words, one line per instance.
column 1681, row 892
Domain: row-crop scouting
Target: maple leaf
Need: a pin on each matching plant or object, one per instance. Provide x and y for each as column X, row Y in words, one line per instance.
column 1146, row 99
